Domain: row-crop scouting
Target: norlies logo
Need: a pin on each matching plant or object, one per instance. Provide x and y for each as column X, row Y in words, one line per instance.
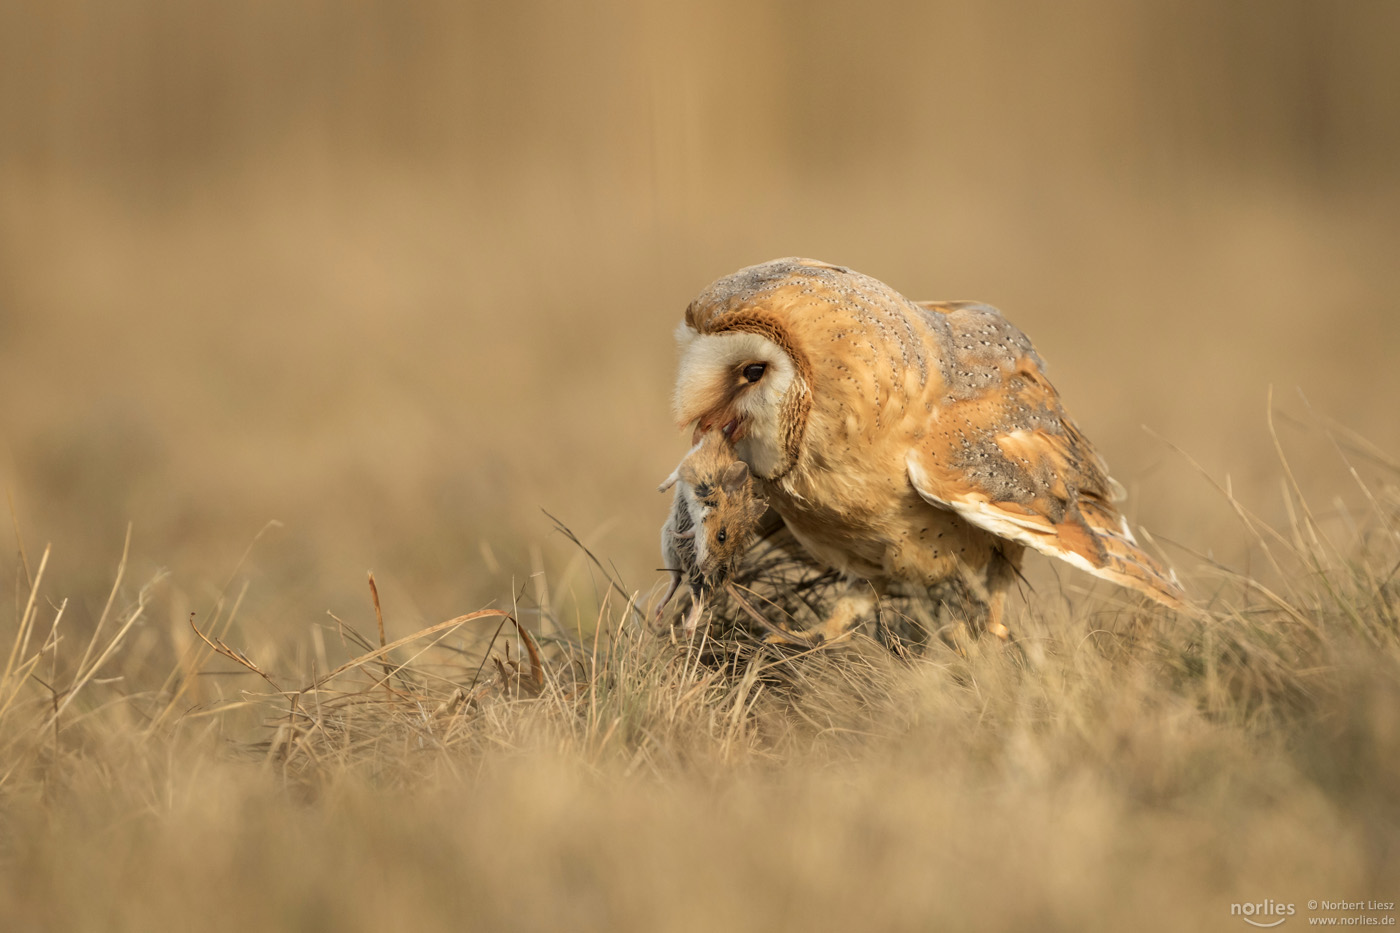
column 1263, row 914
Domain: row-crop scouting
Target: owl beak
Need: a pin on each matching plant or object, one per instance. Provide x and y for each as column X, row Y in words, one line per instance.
column 732, row 430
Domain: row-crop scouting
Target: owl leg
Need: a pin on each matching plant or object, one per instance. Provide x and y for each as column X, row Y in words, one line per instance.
column 1002, row 571
column 846, row 614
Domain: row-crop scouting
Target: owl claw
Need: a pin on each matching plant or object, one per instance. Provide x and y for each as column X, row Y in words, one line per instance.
column 794, row 639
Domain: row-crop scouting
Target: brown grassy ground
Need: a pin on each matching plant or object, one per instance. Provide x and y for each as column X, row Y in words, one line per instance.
column 398, row 278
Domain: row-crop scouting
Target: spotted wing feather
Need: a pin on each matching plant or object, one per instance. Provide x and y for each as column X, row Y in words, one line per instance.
column 1003, row 454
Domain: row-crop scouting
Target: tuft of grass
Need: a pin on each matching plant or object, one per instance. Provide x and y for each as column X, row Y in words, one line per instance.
column 1116, row 766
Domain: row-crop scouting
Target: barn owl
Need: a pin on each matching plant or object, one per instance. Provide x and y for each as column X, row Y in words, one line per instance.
column 901, row 442
column 714, row 512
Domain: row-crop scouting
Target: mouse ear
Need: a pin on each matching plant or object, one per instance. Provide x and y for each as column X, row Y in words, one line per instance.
column 734, row 476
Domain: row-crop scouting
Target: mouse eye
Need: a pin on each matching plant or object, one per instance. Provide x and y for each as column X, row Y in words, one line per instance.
column 754, row 371
column 722, row 536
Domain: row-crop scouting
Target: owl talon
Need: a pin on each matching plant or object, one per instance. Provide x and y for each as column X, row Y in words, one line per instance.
column 840, row 626
column 791, row 639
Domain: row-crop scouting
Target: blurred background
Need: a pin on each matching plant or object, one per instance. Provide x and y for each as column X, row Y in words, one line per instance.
column 400, row 276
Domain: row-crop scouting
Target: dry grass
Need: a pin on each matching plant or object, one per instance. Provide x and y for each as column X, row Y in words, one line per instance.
column 1117, row 767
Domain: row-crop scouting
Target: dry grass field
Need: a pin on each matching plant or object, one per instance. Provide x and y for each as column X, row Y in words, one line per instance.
column 289, row 291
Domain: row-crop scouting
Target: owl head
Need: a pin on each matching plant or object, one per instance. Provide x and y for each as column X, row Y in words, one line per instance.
column 743, row 371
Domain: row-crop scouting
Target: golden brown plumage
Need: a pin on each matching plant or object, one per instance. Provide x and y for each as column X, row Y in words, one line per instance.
column 901, row 441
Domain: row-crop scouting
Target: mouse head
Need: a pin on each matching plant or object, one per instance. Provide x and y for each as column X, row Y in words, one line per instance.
column 723, row 504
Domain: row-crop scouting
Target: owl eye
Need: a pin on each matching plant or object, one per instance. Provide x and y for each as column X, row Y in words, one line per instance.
column 754, row 371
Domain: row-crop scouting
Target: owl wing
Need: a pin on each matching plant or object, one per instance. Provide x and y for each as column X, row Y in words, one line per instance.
column 1002, row 453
